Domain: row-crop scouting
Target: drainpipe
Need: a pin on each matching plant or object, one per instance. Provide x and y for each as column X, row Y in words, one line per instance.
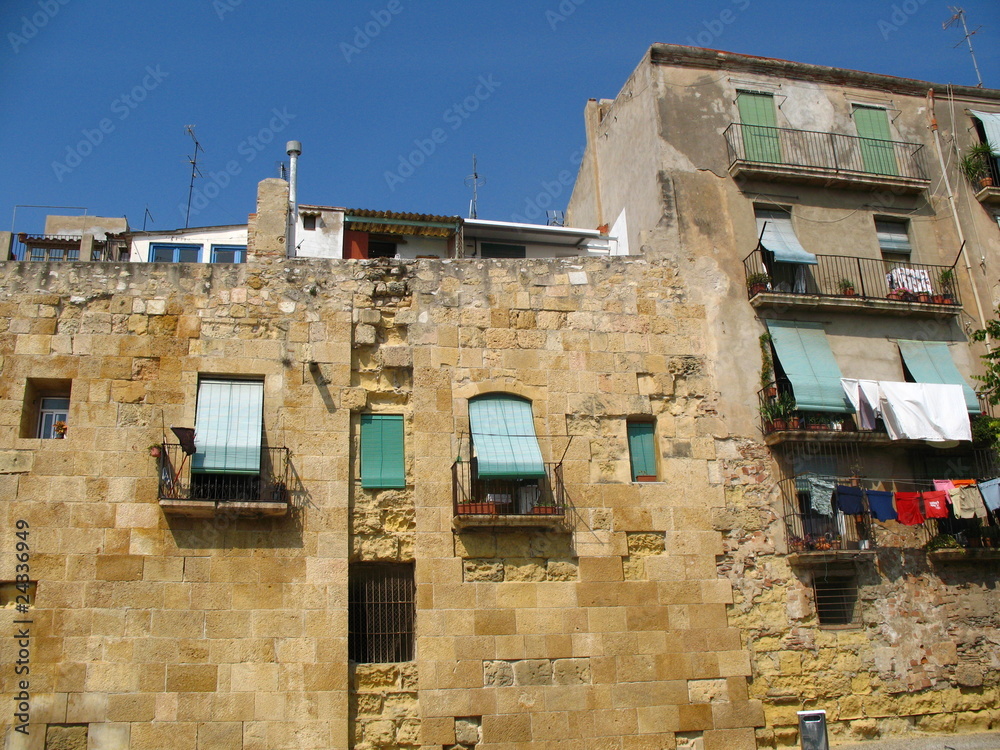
column 293, row 148
column 954, row 211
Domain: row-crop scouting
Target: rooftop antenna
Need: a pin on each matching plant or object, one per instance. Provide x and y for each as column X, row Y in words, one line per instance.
column 144, row 215
column 282, row 170
column 959, row 16
column 193, row 160
column 474, row 181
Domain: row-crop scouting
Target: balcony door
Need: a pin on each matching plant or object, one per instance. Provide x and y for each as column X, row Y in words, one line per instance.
column 877, row 151
column 760, row 127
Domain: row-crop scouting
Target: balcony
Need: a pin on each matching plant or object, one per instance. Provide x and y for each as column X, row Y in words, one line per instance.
column 66, row 247
column 827, row 159
column 520, row 503
column 196, row 495
column 844, row 282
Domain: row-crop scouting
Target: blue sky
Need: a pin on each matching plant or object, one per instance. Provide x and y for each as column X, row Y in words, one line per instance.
column 96, row 93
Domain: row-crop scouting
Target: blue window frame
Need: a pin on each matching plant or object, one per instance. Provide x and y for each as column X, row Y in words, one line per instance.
column 229, row 253
column 160, row 252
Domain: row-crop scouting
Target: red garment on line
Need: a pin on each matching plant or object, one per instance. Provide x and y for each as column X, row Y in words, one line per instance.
column 936, row 504
column 908, row 508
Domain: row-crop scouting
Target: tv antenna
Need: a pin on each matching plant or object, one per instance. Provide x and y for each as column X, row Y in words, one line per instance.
column 193, row 160
column 474, row 181
column 959, row 17
column 144, row 215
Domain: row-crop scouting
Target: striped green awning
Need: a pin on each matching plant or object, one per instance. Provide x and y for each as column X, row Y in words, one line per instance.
column 808, row 361
column 503, row 435
column 228, row 426
column 931, row 362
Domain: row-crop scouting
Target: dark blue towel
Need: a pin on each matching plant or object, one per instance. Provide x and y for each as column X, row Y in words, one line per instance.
column 881, row 504
column 849, row 500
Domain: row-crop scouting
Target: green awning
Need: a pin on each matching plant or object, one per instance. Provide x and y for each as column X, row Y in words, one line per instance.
column 779, row 237
column 991, row 126
column 931, row 362
column 228, row 426
column 806, row 358
column 503, row 435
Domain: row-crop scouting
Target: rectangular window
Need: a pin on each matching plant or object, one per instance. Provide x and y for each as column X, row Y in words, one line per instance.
column 381, row 612
column 381, row 249
column 382, row 463
column 174, row 253
column 309, row 222
column 45, row 412
column 228, row 426
column 498, row 250
column 229, row 253
column 761, row 137
column 642, row 450
column 878, row 154
column 893, row 239
column 836, row 599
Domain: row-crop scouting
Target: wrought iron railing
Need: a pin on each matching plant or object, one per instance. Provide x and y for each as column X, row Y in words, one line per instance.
column 810, row 530
column 852, row 277
column 178, row 482
column 844, row 155
column 64, row 247
column 507, row 497
column 778, row 413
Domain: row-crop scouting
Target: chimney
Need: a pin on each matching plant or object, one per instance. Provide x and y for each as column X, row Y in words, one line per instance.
column 293, row 148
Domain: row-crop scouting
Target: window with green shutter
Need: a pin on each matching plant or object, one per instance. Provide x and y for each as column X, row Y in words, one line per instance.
column 382, row 451
column 641, row 449
column 877, row 151
column 760, row 131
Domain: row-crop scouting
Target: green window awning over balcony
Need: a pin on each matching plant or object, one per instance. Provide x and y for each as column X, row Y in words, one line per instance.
column 228, row 426
column 779, row 238
column 991, row 126
column 805, row 356
column 503, row 435
column 382, row 451
column 931, row 362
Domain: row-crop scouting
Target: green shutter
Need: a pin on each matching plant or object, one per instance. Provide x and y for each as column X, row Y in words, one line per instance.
column 877, row 152
column 382, row 451
column 228, row 426
column 760, row 131
column 641, row 450
column 931, row 362
column 503, row 434
column 808, row 361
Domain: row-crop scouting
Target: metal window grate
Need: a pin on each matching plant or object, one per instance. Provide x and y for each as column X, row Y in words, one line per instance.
column 836, row 599
column 381, row 613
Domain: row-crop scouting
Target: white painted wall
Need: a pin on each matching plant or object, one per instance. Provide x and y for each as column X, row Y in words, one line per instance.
column 204, row 236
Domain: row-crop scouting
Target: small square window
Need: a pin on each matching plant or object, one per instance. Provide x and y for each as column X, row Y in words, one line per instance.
column 45, row 413
column 381, row 613
column 837, row 600
column 309, row 222
column 229, row 253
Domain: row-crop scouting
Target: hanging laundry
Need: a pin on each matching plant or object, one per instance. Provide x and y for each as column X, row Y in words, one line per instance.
column 881, row 504
column 990, row 491
column 908, row 508
column 924, row 411
column 821, row 495
column 935, row 504
column 968, row 503
column 945, row 485
column 850, row 500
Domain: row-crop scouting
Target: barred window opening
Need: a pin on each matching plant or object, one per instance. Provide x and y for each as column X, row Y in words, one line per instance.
column 381, row 613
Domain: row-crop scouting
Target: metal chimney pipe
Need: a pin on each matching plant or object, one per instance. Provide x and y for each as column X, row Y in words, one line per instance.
column 293, row 149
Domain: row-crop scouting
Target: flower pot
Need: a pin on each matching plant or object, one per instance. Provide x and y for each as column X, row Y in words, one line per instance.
column 923, row 297
column 771, row 391
column 545, row 510
column 646, row 478
column 477, row 509
column 757, row 289
column 848, row 292
column 794, row 423
column 938, row 299
column 985, row 182
column 780, row 424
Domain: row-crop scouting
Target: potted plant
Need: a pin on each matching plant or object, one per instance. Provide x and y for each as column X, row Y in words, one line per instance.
column 975, row 165
column 846, row 287
column 758, row 282
column 767, row 367
column 59, row 429
column 797, row 543
column 943, row 541
column 768, row 411
column 946, row 284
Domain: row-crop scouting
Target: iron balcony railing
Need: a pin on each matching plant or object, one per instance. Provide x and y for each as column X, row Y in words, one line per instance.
column 778, row 413
column 810, row 530
column 178, row 482
column 833, row 153
column 852, row 277
column 64, row 247
column 507, row 497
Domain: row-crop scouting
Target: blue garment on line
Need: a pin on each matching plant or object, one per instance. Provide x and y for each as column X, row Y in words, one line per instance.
column 990, row 490
column 849, row 500
column 881, row 504
column 821, row 495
